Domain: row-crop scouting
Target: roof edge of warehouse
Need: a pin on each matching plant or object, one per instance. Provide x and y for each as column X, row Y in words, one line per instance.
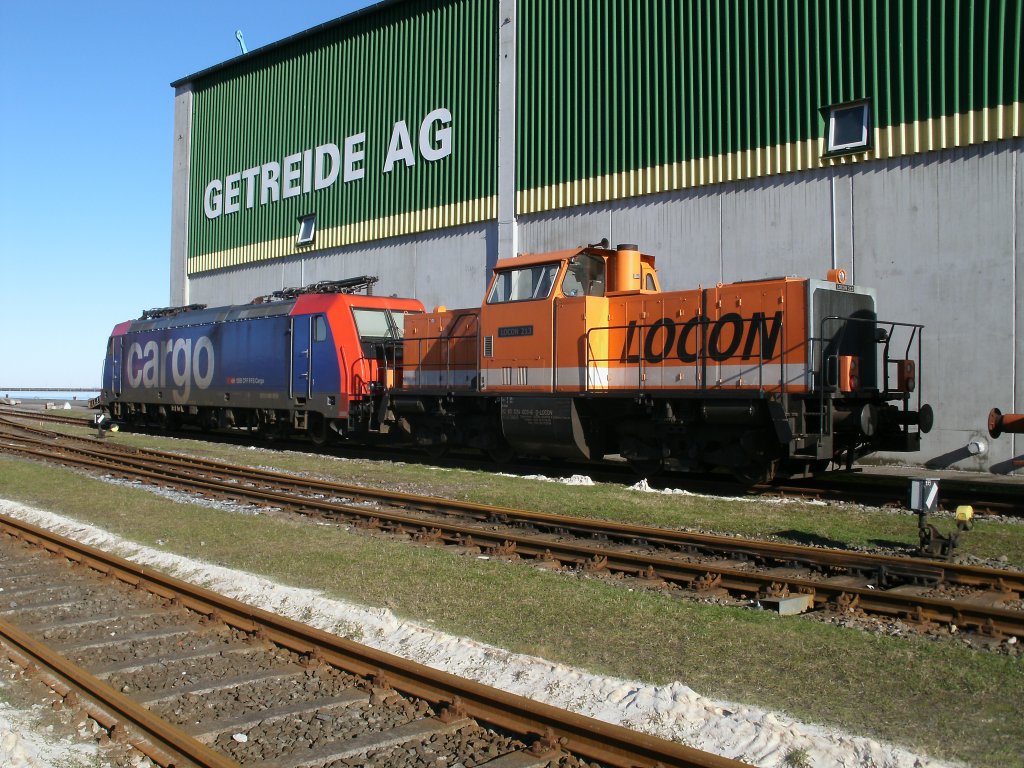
column 347, row 18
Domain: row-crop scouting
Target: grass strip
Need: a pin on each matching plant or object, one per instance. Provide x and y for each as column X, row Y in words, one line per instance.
column 831, row 525
column 946, row 700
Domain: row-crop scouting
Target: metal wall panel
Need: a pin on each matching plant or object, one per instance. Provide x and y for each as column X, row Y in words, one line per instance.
column 1017, row 405
column 937, row 240
column 630, row 97
column 449, row 266
column 361, row 78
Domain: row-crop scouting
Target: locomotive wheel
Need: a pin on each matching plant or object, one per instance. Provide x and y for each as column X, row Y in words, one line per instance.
column 501, row 454
column 318, row 430
column 757, row 473
column 646, row 468
column 436, row 450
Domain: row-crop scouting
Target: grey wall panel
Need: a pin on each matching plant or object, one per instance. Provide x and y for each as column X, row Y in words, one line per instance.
column 179, row 195
column 448, row 267
column 566, row 228
column 936, row 238
column 683, row 231
column 1017, row 441
column 777, row 227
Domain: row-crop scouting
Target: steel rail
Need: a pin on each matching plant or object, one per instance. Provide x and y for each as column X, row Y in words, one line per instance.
column 926, row 570
column 592, row 739
column 963, row 613
column 989, row 498
column 162, row 740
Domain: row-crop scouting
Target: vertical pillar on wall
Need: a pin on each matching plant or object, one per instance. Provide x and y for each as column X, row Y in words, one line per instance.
column 843, row 254
column 508, row 240
column 179, row 194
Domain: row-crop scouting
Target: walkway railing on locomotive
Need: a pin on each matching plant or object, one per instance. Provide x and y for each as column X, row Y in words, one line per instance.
column 883, row 332
column 826, row 373
column 380, row 369
column 440, row 361
column 761, row 360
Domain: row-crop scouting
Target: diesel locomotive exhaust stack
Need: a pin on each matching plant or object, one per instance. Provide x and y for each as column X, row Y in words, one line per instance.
column 624, row 268
column 999, row 422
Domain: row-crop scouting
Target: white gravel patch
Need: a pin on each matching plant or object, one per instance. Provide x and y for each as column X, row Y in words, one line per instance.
column 644, row 487
column 673, row 711
column 25, row 743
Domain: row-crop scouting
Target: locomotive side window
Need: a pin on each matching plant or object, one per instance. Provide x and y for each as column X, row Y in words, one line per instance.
column 319, row 328
column 377, row 324
column 584, row 277
column 372, row 323
column 398, row 318
column 524, row 284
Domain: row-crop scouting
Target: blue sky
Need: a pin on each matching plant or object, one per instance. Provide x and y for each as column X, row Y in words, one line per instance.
column 86, row 136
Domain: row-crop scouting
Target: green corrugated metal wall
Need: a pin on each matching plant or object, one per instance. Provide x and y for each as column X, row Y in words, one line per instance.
column 396, row 64
column 615, row 98
column 623, row 97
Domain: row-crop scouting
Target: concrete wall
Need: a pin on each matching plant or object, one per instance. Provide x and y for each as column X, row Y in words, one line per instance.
column 448, row 267
column 180, row 196
column 938, row 235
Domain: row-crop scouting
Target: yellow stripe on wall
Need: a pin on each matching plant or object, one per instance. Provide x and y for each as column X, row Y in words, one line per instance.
column 976, row 127
column 453, row 215
column 966, row 129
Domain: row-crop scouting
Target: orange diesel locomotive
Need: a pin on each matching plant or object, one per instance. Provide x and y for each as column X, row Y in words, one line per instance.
column 579, row 353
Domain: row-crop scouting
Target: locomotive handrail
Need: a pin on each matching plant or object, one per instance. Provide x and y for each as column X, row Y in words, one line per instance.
column 445, row 343
column 885, row 391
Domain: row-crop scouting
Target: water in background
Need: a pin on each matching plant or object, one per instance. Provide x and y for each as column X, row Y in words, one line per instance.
column 55, row 397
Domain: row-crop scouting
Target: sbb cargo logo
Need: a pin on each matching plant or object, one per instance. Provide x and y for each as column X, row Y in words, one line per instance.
column 188, row 363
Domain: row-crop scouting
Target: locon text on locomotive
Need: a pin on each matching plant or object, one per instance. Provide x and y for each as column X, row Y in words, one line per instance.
column 317, row 168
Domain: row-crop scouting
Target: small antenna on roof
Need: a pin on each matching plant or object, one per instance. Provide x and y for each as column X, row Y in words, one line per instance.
column 241, row 41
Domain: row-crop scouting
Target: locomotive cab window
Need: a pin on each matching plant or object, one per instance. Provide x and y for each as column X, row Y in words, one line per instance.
column 377, row 324
column 584, row 277
column 398, row 320
column 373, row 324
column 526, row 284
column 319, row 328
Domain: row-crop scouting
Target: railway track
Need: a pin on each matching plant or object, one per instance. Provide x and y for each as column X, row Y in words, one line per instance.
column 990, row 497
column 789, row 577
column 194, row 678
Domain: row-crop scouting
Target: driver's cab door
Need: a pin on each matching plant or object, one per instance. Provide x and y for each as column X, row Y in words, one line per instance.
column 517, row 327
column 581, row 318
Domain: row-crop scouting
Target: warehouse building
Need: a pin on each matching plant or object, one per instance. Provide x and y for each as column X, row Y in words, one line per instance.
column 420, row 141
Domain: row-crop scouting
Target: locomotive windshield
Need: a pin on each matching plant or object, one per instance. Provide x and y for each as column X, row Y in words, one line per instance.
column 377, row 324
column 524, row 284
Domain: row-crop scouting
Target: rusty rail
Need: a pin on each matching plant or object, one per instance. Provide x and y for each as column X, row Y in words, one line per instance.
column 155, row 737
column 595, row 740
column 596, row 557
